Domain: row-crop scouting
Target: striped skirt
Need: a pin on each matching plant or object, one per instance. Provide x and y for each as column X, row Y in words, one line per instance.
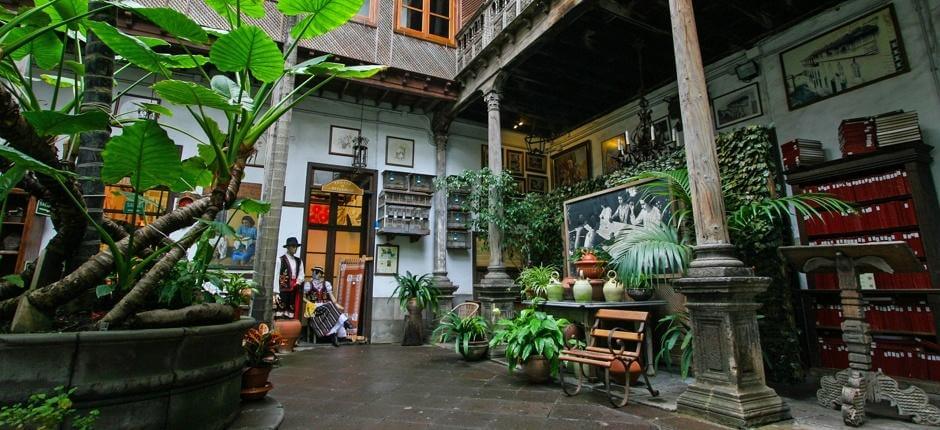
column 324, row 318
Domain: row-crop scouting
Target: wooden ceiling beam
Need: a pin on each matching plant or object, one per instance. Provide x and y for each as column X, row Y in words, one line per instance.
column 628, row 14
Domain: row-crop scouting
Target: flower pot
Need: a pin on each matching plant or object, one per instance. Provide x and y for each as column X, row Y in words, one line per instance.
column 567, row 284
column 618, row 375
column 414, row 333
column 640, row 294
column 536, row 369
column 613, row 289
column 592, row 268
column 255, row 377
column 582, row 291
column 477, row 350
column 289, row 330
column 597, row 290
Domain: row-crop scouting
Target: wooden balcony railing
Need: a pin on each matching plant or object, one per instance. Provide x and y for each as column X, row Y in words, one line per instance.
column 486, row 24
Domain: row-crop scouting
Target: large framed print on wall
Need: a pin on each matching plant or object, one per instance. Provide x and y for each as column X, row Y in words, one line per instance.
column 862, row 52
column 572, row 165
column 739, row 105
column 593, row 220
column 342, row 140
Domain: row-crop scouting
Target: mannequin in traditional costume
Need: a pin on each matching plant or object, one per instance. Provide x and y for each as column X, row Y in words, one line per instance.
column 329, row 319
column 290, row 280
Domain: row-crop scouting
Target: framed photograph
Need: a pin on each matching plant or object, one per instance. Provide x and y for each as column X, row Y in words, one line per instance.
column 514, row 162
column 610, row 149
column 536, row 184
column 399, row 152
column 866, row 50
column 591, row 221
column 238, row 252
column 536, row 163
column 342, row 140
column 662, row 131
column 572, row 165
column 484, row 156
column 386, row 260
column 739, row 105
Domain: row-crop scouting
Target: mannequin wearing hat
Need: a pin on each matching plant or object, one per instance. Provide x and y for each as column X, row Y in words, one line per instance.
column 290, row 278
column 328, row 319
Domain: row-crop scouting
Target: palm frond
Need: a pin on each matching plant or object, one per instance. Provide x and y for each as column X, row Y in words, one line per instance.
column 810, row 205
column 649, row 250
column 673, row 185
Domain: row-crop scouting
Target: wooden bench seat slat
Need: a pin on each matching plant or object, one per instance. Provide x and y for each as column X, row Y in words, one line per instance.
column 590, row 354
column 614, row 314
column 598, row 363
column 605, row 350
column 619, row 334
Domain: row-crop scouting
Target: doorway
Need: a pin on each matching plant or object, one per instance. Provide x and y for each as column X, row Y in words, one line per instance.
column 337, row 229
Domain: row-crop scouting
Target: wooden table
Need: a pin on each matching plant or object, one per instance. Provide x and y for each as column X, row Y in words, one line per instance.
column 583, row 313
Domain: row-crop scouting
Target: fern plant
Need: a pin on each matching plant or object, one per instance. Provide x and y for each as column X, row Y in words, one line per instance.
column 421, row 288
column 530, row 334
column 534, row 280
column 461, row 331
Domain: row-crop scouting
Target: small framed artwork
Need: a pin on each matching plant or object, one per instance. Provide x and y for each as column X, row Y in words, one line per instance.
column 572, row 165
column 739, row 105
column 514, row 162
column 610, row 149
column 386, row 260
column 537, row 184
column 342, row 140
column 399, row 152
column 662, row 132
column 484, row 156
column 520, row 184
column 536, row 163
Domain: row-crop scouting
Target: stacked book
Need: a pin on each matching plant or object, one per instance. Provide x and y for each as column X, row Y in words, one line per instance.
column 802, row 152
column 897, row 127
column 857, row 136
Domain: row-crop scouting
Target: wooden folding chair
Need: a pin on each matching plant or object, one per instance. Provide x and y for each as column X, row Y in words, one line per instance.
column 618, row 339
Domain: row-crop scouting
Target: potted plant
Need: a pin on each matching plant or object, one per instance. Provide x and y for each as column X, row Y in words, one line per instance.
column 533, row 339
column 638, row 286
column 260, row 345
column 469, row 335
column 236, row 291
column 534, row 281
column 415, row 293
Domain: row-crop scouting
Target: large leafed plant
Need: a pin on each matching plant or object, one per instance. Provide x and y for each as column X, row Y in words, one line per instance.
column 42, row 51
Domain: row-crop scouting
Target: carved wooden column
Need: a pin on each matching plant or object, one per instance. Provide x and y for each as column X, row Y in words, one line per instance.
column 729, row 382
column 444, row 286
column 496, row 290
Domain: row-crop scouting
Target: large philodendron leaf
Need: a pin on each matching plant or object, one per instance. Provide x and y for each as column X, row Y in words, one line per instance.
column 175, row 23
column 133, row 49
column 319, row 16
column 228, row 8
column 45, row 50
column 191, row 94
column 65, row 9
column 20, row 159
column 338, row 70
column 248, row 48
column 195, row 173
column 52, row 123
column 145, row 154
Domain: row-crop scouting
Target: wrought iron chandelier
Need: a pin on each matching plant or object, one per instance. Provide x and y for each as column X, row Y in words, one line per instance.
column 641, row 144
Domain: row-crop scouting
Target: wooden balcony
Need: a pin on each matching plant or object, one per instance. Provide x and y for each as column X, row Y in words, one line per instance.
column 487, row 25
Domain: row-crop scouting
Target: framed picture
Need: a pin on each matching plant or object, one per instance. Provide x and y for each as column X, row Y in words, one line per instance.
column 572, row 165
column 591, row 221
column 536, row 184
column 610, row 148
column 399, row 152
column 662, row 131
column 342, row 140
column 861, row 52
column 739, row 105
column 520, row 184
column 386, row 260
column 238, row 252
column 536, row 163
column 484, row 156
column 514, row 162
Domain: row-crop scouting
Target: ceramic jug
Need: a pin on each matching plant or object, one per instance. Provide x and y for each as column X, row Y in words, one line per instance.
column 555, row 291
column 582, row 289
column 613, row 289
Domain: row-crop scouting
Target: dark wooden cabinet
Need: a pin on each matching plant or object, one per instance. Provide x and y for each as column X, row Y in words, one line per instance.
column 21, row 232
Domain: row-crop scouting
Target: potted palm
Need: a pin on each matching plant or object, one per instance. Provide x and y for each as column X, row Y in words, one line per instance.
column 533, row 340
column 534, row 281
column 469, row 335
column 415, row 293
column 260, row 345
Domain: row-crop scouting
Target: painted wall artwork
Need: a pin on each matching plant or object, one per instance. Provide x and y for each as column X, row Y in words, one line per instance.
column 856, row 54
column 238, row 252
column 610, row 148
column 591, row 221
column 572, row 165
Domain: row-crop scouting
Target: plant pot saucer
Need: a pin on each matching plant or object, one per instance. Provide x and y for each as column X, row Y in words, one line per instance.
column 256, row 393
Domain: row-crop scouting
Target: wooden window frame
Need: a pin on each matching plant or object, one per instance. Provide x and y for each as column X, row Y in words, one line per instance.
column 425, row 23
column 371, row 19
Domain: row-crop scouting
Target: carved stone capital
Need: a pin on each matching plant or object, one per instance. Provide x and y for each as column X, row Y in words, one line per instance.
column 492, row 100
column 440, row 140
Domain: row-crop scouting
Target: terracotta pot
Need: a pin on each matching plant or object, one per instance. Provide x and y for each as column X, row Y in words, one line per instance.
column 290, row 332
column 618, row 375
column 477, row 350
column 238, row 312
column 597, row 290
column 567, row 285
column 573, row 331
column 255, row 377
column 536, row 369
column 592, row 269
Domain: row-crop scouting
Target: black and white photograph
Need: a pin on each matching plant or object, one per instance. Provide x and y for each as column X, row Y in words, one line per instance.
column 342, row 140
column 593, row 220
column 739, row 105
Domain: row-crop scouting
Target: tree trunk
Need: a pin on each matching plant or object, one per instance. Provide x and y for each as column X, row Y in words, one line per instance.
column 99, row 87
column 204, row 314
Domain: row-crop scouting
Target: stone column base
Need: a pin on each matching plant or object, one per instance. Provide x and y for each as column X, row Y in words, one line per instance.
column 496, row 291
column 731, row 407
column 446, row 289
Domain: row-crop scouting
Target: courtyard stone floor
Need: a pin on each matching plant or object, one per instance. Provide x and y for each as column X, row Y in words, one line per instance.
column 392, row 387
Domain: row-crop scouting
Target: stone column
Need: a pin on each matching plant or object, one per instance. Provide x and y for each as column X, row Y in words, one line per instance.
column 496, row 290
column 444, row 286
column 729, row 385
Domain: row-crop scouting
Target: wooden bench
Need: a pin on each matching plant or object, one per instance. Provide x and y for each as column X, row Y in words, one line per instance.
column 623, row 345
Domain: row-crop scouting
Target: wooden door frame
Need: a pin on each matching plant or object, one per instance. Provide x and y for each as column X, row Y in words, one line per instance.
column 365, row 321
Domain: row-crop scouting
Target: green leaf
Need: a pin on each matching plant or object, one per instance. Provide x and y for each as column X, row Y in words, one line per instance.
column 181, row 61
column 156, row 108
column 45, row 49
column 153, row 42
column 248, row 48
column 191, row 94
column 134, row 49
column 225, row 86
column 145, row 154
column 319, row 16
column 227, row 8
column 52, row 123
column 175, row 23
column 194, row 174
column 10, row 178
column 75, row 67
column 31, row 163
column 63, row 81
column 358, row 72
column 62, row 10
column 103, row 290
column 221, row 228
column 311, row 62
column 252, row 206
column 15, row 280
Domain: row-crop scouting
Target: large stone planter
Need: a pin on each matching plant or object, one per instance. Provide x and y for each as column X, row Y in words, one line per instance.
column 178, row 378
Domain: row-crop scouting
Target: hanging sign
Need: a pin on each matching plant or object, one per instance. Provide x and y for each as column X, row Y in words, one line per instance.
column 342, row 186
column 129, row 207
column 43, row 208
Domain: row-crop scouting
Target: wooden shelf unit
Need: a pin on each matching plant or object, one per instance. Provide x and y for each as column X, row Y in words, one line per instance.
column 22, row 228
column 915, row 299
column 404, row 205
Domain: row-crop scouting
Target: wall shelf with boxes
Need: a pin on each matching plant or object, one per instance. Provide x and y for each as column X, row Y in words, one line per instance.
column 21, row 232
column 404, row 205
column 458, row 237
column 893, row 191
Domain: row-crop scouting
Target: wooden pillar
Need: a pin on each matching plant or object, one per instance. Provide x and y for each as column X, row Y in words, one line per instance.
column 444, row 286
column 729, row 385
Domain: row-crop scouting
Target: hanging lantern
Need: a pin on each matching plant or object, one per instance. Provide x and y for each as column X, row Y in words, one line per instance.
column 360, row 148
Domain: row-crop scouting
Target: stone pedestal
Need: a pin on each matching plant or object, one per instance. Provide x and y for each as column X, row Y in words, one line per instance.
column 496, row 290
column 729, row 385
column 446, row 290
